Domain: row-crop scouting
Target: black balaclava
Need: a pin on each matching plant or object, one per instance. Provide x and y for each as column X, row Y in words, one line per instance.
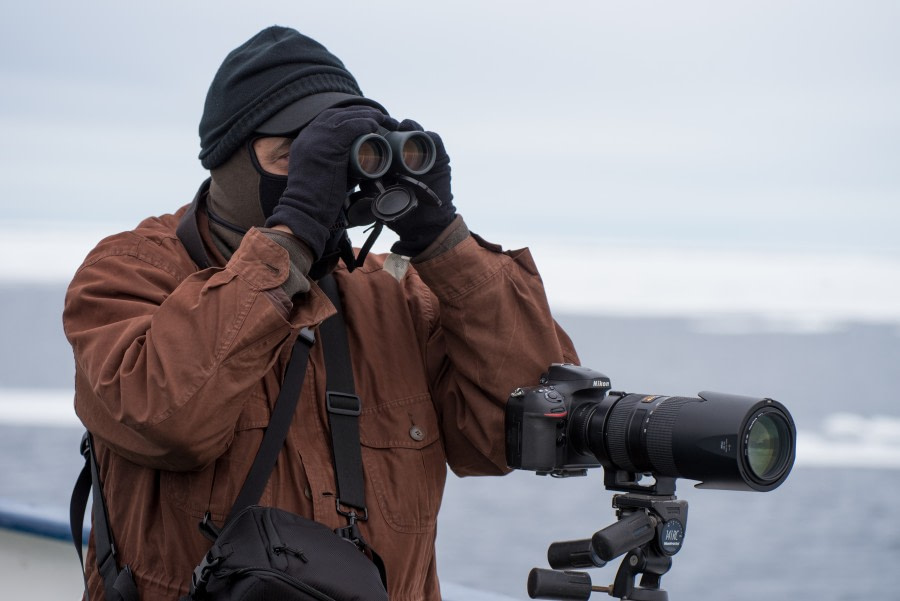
column 241, row 196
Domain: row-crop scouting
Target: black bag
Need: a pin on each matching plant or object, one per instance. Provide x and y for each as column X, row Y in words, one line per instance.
column 268, row 553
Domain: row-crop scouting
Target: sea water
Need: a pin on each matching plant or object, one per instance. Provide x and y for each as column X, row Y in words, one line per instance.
column 831, row 532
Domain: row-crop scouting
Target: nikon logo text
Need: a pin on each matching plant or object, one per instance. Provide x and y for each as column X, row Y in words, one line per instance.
column 600, row 384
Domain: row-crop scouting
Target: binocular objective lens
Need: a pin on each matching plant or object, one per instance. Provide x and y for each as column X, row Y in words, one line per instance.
column 370, row 157
column 768, row 446
column 415, row 153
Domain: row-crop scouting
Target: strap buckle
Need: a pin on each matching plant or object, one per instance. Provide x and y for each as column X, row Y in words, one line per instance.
column 308, row 336
column 200, row 577
column 342, row 403
column 351, row 533
column 351, row 513
column 208, row 528
column 85, row 448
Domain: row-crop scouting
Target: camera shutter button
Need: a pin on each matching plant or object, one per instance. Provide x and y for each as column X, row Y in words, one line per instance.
column 553, row 396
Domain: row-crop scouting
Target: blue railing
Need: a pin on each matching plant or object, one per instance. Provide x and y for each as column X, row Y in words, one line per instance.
column 27, row 519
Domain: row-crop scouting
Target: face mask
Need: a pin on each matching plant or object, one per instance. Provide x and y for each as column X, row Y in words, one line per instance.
column 242, row 195
column 271, row 186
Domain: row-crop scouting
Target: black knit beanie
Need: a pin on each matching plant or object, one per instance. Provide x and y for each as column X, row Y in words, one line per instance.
column 272, row 70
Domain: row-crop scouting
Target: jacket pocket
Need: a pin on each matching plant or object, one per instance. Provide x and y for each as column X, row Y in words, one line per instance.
column 215, row 488
column 404, row 462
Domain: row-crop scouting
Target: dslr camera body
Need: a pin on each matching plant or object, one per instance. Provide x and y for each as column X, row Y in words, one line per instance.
column 537, row 421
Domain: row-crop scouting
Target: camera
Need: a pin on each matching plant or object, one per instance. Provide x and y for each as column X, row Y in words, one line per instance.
column 572, row 422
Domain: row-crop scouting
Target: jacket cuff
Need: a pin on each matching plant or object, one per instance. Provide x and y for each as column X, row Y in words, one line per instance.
column 452, row 235
column 467, row 265
column 300, row 260
column 261, row 262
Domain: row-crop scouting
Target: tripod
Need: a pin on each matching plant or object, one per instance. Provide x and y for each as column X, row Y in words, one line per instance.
column 650, row 528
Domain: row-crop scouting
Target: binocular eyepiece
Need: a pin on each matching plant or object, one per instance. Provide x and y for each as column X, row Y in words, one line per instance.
column 405, row 152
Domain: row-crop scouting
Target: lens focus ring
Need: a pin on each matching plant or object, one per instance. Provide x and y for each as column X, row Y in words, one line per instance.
column 617, row 432
column 659, row 434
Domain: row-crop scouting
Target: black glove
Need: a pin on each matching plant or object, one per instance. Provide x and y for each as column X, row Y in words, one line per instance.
column 317, row 172
column 419, row 228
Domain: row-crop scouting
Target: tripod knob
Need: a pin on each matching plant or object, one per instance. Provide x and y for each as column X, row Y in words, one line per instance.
column 573, row 554
column 631, row 531
column 552, row 584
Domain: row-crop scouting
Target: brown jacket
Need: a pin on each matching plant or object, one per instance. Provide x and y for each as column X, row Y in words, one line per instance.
column 177, row 371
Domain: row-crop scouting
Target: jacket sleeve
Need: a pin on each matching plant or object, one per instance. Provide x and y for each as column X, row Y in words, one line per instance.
column 495, row 333
column 165, row 357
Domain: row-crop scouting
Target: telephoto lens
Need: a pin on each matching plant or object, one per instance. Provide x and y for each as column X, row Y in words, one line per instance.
column 725, row 441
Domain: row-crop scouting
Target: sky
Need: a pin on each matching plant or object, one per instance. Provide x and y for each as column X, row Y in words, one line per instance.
column 581, row 127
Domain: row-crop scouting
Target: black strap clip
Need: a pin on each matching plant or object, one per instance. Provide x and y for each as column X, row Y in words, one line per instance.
column 342, row 403
column 351, row 533
column 308, row 336
column 200, row 577
column 351, row 514
column 208, row 528
column 85, row 447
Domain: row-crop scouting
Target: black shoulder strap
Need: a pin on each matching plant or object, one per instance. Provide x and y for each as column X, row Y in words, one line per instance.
column 189, row 232
column 343, row 408
column 78, row 505
column 119, row 584
column 279, row 423
column 343, row 412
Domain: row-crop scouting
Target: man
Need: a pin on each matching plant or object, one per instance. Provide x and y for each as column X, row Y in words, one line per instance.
column 178, row 367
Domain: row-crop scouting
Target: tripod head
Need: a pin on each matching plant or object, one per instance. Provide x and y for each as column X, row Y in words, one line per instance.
column 649, row 530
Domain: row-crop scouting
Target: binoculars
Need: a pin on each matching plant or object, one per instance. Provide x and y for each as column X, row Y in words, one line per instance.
column 404, row 152
column 401, row 156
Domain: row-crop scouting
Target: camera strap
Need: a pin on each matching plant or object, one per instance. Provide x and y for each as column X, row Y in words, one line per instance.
column 118, row 584
column 344, row 408
column 189, row 232
column 276, row 431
